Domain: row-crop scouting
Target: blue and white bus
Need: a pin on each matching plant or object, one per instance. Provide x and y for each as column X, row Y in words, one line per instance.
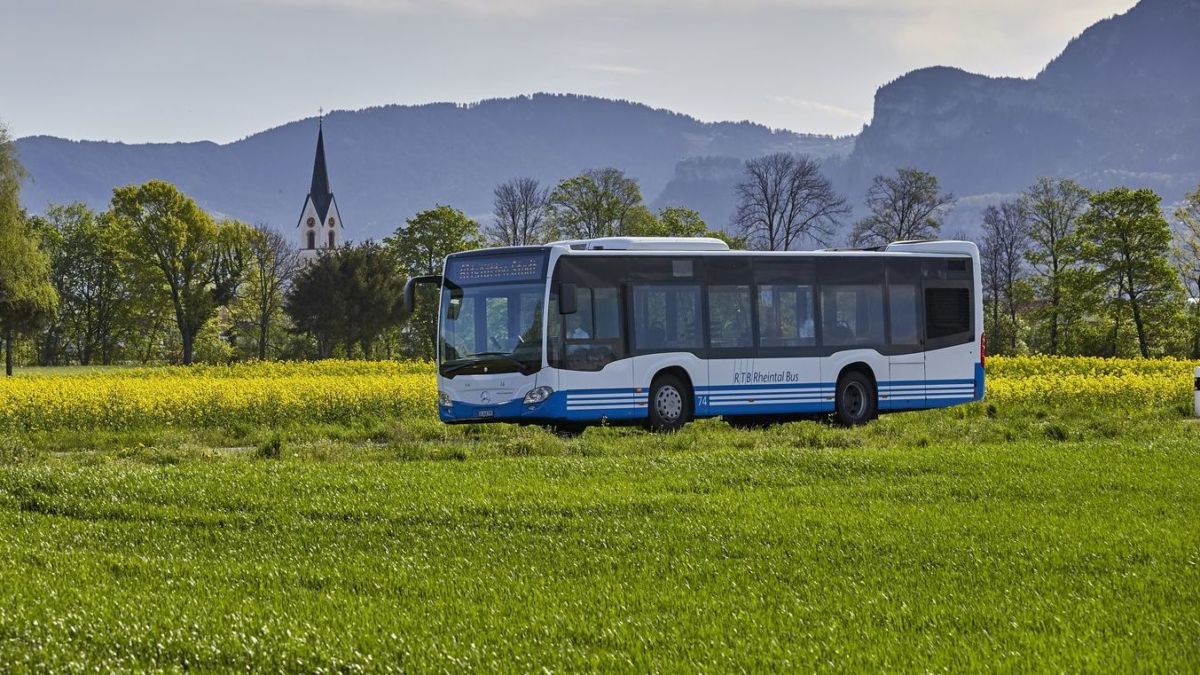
column 664, row 330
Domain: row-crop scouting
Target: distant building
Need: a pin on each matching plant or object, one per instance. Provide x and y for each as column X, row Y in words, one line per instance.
column 320, row 223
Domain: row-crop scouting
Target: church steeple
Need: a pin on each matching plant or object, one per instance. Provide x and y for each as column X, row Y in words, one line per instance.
column 319, row 191
column 320, row 223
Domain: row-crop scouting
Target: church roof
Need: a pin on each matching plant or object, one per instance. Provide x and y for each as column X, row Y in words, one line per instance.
column 319, row 192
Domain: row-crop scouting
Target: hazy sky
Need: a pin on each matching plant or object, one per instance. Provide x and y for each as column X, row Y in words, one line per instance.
column 165, row 70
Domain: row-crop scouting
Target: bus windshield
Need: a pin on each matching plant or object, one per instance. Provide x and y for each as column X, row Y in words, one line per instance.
column 490, row 320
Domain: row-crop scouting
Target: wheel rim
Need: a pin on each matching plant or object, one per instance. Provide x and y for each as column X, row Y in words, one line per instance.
column 854, row 400
column 668, row 403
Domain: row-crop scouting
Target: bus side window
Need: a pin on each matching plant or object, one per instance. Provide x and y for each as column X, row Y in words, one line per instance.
column 904, row 302
column 593, row 332
column 606, row 313
column 785, row 315
column 666, row 316
column 592, row 336
column 579, row 324
column 786, row 304
column 729, row 317
column 851, row 302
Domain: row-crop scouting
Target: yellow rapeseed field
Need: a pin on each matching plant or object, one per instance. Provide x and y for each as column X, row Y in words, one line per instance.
column 266, row 394
column 282, row 394
column 1116, row 383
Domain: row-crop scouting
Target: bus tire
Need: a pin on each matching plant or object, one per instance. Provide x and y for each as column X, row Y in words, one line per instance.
column 670, row 405
column 856, row 401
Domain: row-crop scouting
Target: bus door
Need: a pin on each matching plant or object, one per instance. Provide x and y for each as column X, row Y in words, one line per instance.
column 951, row 350
column 905, row 387
column 729, row 308
column 587, row 344
column 786, row 377
column 667, row 317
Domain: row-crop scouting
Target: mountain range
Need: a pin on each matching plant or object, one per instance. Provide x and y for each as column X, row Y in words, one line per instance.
column 1119, row 105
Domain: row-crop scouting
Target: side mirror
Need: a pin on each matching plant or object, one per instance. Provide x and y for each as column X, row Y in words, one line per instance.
column 568, row 299
column 410, row 290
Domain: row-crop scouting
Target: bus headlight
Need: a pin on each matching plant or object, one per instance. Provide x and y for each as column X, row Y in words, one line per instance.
column 537, row 395
column 443, row 399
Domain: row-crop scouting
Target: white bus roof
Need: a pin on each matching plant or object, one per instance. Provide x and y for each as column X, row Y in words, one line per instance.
column 708, row 244
column 645, row 244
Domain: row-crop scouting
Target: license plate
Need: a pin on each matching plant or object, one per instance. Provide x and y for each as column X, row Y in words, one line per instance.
column 486, row 413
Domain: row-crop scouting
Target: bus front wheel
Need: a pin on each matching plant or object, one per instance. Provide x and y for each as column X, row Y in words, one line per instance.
column 856, row 401
column 670, row 403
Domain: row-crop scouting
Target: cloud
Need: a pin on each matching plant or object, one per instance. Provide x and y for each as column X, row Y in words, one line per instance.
column 978, row 8
column 819, row 107
column 616, row 69
column 1013, row 38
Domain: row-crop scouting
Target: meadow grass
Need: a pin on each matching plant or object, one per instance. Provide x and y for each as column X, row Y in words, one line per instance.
column 1024, row 534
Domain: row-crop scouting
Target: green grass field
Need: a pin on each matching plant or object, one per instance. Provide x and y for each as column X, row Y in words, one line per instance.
column 1040, row 534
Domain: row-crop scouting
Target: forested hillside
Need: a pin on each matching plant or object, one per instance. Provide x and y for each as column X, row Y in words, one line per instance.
column 389, row 162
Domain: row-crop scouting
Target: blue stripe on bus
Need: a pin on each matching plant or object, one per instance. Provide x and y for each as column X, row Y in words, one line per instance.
column 770, row 398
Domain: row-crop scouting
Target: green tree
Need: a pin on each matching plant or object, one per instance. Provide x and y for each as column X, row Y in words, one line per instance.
column 909, row 205
column 374, row 292
column 50, row 342
column 419, row 248
column 596, row 203
column 27, row 298
column 199, row 262
column 1127, row 239
column 676, row 221
column 271, row 263
column 680, row 221
column 94, row 290
column 1053, row 208
column 316, row 304
column 349, row 295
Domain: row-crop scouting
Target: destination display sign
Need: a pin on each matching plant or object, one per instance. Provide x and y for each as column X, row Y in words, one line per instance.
column 496, row 269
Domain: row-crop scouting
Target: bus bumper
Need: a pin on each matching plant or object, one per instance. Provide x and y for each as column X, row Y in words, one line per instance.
column 553, row 409
column 512, row 411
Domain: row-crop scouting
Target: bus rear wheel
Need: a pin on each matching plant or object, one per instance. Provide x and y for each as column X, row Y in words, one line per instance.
column 856, row 402
column 670, row 403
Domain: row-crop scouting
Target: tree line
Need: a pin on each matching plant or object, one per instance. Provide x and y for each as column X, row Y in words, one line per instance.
column 1067, row 270
column 154, row 278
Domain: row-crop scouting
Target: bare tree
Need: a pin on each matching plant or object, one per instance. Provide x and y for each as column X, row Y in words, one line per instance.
column 1186, row 256
column 989, row 262
column 519, row 212
column 1006, row 238
column 1187, row 248
column 784, row 199
column 909, row 205
column 273, row 261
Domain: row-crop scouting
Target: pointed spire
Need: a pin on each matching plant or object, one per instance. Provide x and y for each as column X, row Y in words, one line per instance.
column 319, row 191
column 320, row 176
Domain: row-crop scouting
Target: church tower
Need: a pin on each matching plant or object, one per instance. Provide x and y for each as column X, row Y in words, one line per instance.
column 320, row 223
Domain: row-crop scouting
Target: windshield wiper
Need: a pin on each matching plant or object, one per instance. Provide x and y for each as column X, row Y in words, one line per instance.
column 473, row 360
